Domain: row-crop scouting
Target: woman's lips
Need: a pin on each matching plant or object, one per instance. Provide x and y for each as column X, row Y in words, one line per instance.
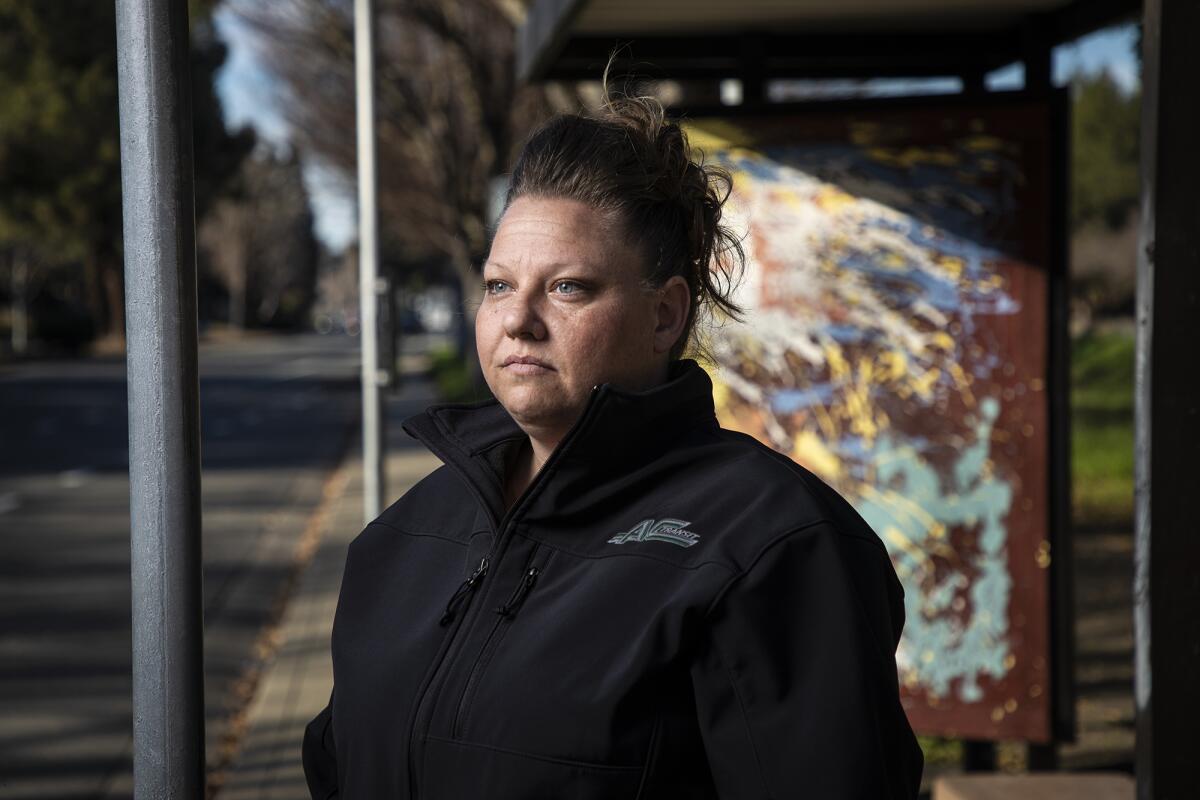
column 526, row 366
column 518, row 368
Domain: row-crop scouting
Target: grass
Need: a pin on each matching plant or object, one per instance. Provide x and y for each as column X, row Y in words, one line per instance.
column 1102, row 427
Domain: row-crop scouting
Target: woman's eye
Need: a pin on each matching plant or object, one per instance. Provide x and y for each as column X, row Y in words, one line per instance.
column 568, row 287
column 494, row 287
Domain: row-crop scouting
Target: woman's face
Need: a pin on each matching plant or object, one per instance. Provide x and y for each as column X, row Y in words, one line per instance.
column 563, row 289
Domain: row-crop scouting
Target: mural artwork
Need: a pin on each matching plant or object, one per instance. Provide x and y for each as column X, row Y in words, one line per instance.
column 896, row 345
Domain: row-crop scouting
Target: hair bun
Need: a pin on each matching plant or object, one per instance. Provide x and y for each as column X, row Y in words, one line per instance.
column 629, row 159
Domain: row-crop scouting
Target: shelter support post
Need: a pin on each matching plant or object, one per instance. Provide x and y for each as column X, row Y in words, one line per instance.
column 1037, row 54
column 753, row 70
column 373, row 378
column 979, row 755
column 164, row 397
column 1167, row 408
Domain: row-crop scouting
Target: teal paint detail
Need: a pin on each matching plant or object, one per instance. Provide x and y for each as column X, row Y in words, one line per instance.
column 941, row 644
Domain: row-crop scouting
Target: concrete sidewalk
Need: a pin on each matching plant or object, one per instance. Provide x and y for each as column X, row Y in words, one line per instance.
column 263, row 758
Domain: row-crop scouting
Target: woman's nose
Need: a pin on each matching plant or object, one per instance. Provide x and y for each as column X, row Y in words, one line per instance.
column 521, row 318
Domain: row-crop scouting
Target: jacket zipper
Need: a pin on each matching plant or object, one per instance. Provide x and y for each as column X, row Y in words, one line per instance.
column 504, row 612
column 463, row 592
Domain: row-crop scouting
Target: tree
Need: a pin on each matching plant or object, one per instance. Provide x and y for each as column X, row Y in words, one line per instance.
column 449, row 111
column 60, row 146
column 260, row 244
column 59, row 150
column 1104, row 145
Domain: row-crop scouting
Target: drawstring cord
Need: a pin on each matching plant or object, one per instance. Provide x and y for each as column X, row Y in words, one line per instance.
column 510, row 608
column 467, row 586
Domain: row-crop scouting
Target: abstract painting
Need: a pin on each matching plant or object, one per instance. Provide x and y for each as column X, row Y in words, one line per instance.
column 896, row 344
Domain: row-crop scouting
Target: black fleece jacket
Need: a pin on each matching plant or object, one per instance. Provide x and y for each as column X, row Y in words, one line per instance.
column 670, row 610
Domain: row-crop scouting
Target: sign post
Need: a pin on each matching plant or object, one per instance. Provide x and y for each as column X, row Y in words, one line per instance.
column 374, row 478
column 164, row 397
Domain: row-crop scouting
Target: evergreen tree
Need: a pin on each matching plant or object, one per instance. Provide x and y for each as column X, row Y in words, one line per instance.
column 60, row 145
column 1104, row 145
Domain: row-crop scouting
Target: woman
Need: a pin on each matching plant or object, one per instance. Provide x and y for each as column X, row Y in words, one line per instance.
column 602, row 593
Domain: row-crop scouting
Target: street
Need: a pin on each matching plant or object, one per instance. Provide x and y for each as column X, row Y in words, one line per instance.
column 278, row 413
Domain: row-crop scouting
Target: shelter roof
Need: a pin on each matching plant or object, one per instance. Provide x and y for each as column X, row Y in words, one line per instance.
column 565, row 39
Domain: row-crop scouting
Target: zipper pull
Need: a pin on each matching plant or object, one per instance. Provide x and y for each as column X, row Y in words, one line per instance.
column 509, row 609
column 467, row 586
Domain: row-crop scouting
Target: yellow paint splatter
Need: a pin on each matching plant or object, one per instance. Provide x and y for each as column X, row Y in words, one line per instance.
column 953, row 266
column 963, row 382
column 891, row 366
column 983, row 143
column 1042, row 556
column 832, row 199
column 943, row 341
column 922, row 386
column 810, row 450
column 902, row 542
column 839, row 370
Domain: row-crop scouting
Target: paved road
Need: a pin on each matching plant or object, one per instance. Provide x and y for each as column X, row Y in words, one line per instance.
column 277, row 415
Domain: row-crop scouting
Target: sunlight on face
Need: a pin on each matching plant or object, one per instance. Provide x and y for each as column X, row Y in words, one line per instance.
column 563, row 290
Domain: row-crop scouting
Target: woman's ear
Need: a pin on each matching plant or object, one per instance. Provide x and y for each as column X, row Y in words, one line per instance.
column 671, row 311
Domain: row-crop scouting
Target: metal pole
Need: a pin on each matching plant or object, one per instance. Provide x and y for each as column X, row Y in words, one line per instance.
column 1167, row 409
column 164, row 426
column 1142, row 430
column 368, row 262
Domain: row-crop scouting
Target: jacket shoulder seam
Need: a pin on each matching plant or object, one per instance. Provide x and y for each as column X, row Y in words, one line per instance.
column 724, row 590
column 806, row 478
column 721, row 592
column 428, row 534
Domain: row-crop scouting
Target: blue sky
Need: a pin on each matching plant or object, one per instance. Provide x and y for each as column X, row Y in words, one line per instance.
column 1111, row 49
column 250, row 96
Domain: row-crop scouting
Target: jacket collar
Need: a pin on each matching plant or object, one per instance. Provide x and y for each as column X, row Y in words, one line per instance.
column 617, row 431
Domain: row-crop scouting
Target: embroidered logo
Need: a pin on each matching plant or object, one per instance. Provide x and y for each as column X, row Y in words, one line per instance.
column 664, row 530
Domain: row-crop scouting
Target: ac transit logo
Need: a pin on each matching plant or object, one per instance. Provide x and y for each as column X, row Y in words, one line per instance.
column 665, row 530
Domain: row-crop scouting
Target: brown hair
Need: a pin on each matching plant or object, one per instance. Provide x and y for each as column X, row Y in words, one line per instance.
column 629, row 161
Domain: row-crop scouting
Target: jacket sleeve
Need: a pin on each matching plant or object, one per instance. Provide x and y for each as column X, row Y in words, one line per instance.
column 319, row 756
column 795, row 683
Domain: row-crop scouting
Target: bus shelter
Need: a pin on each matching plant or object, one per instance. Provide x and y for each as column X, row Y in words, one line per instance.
column 876, row 223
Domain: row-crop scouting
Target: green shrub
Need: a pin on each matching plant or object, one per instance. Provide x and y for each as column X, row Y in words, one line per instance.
column 454, row 377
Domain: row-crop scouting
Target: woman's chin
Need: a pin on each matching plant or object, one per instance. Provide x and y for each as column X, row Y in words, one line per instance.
column 534, row 410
